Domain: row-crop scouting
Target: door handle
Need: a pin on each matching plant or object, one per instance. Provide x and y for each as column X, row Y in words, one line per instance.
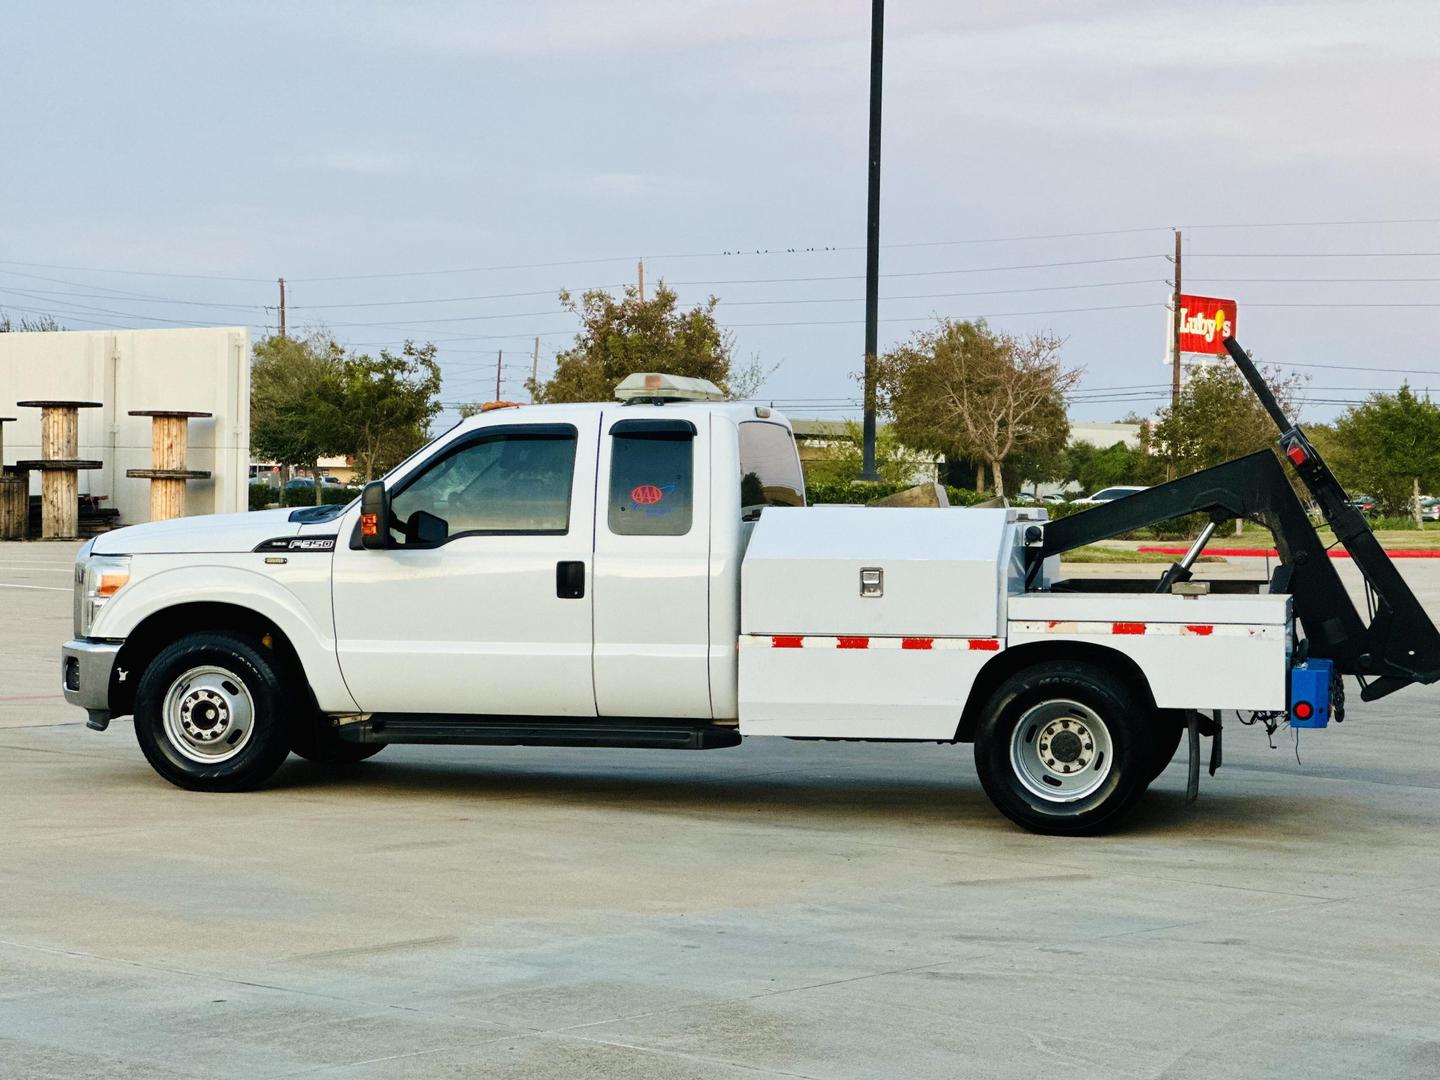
column 570, row 580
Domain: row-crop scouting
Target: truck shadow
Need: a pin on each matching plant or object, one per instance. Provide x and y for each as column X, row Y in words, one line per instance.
column 811, row 795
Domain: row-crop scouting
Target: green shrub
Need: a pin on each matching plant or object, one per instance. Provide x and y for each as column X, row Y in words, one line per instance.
column 263, row 495
column 329, row 496
column 829, row 492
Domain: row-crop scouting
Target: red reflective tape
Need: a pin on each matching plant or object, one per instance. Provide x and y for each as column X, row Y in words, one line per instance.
column 786, row 641
column 985, row 644
column 1201, row 631
column 1127, row 628
column 918, row 643
column 852, row 643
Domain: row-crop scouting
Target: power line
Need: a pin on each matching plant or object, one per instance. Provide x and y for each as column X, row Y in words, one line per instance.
column 135, row 299
column 1312, row 254
column 925, row 273
column 1308, row 280
column 133, row 273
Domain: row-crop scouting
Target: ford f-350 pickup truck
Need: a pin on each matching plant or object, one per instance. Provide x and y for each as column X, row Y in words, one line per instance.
column 645, row 573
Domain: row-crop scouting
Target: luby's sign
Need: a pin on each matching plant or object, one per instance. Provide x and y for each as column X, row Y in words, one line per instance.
column 1205, row 323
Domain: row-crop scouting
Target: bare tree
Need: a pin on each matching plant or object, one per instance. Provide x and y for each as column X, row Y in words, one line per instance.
column 41, row 323
column 964, row 390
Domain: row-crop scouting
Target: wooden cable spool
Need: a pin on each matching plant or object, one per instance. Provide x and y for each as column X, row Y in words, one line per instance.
column 169, row 445
column 59, row 466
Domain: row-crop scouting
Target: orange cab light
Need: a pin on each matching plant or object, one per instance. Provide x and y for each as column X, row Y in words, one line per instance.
column 110, row 584
column 490, row 406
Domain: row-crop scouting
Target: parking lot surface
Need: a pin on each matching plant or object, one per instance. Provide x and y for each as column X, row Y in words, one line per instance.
column 780, row 909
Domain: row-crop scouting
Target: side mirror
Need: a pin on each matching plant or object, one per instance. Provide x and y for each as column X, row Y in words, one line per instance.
column 375, row 516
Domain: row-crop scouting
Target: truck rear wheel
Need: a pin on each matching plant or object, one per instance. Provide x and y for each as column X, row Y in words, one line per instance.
column 210, row 713
column 1064, row 748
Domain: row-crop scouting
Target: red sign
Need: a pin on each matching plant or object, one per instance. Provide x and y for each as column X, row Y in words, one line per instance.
column 646, row 495
column 1205, row 323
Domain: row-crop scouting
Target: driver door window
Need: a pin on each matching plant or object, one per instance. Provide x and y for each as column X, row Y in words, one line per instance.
column 503, row 481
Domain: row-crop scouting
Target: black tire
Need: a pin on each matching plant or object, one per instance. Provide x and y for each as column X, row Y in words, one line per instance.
column 226, row 732
column 1083, row 709
column 313, row 739
column 1166, row 741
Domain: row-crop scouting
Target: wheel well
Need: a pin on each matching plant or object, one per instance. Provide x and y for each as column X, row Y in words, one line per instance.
column 155, row 632
column 1009, row 661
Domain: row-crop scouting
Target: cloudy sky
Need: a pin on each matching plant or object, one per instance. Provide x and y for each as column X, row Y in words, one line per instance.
column 440, row 170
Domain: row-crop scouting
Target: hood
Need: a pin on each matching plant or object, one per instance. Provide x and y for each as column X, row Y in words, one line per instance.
column 215, row 533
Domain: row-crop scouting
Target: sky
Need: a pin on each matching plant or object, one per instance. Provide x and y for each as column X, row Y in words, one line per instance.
column 439, row 171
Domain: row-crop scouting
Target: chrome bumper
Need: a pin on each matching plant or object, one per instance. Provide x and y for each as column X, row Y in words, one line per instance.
column 85, row 670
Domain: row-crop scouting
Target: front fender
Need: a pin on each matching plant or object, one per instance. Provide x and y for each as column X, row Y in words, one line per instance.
column 295, row 598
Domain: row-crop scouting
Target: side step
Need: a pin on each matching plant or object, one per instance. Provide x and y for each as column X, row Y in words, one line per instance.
column 467, row 730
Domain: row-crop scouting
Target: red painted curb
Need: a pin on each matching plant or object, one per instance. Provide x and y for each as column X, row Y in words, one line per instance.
column 1257, row 553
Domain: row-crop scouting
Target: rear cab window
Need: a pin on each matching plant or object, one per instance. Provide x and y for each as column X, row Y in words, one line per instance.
column 652, row 477
column 769, row 468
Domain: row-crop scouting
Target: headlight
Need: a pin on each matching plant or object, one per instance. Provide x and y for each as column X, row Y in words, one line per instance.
column 96, row 580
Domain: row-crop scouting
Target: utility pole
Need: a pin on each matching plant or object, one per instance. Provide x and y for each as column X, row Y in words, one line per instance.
column 499, row 368
column 872, row 242
column 641, row 265
column 282, row 307
column 535, row 369
column 1175, row 332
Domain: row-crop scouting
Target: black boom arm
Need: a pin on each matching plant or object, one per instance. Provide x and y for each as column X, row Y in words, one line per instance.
column 1400, row 645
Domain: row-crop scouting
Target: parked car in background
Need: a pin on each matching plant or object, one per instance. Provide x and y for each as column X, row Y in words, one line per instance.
column 1364, row 503
column 1055, row 497
column 308, row 483
column 1429, row 508
column 1109, row 494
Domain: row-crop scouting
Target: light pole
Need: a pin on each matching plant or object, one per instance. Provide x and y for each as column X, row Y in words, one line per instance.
column 872, row 242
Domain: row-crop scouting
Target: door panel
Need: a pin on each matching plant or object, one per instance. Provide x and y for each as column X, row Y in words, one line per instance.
column 652, row 549
column 487, row 621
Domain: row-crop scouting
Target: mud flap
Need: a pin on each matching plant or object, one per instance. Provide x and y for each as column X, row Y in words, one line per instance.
column 1192, row 732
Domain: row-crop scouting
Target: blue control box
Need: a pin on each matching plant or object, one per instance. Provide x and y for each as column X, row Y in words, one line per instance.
column 1310, row 694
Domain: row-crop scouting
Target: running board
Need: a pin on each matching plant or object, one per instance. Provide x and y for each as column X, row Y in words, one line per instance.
column 467, row 730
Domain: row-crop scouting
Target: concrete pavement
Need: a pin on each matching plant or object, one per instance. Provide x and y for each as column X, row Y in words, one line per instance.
column 781, row 909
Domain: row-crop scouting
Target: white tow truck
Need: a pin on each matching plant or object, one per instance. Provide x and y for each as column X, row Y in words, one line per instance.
column 645, row 573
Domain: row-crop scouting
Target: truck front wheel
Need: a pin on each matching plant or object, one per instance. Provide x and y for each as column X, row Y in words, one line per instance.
column 1064, row 748
column 210, row 713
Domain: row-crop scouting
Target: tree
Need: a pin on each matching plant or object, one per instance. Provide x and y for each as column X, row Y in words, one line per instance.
column 625, row 335
column 1094, row 467
column 389, row 402
column 45, row 323
column 297, row 402
column 970, row 393
column 309, row 399
column 1389, row 448
column 840, row 461
column 1218, row 419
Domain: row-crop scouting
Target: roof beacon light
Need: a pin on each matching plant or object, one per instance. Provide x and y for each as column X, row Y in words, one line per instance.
column 652, row 387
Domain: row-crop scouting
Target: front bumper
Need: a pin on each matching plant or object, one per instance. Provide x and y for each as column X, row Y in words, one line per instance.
column 86, row 666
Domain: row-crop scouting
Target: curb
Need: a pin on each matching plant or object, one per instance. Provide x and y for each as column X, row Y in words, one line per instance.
column 1257, row 553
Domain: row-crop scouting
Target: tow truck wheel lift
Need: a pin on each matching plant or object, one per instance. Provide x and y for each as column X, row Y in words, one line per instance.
column 1398, row 646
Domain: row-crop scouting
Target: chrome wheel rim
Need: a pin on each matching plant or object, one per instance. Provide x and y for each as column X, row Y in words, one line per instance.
column 1061, row 751
column 209, row 715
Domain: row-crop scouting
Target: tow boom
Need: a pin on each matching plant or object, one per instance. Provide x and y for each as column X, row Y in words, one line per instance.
column 1397, row 647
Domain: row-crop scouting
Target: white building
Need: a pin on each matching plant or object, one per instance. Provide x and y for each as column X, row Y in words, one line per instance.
column 202, row 370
